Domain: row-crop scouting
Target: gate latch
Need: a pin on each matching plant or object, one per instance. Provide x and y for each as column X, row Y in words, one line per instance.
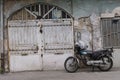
column 41, row 55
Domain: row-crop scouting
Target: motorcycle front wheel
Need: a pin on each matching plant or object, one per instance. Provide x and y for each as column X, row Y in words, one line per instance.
column 71, row 64
column 107, row 63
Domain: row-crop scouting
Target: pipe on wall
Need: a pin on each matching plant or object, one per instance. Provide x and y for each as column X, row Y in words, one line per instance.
column 2, row 35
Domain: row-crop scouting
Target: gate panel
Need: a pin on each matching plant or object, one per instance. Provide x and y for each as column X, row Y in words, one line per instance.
column 58, row 43
column 24, row 46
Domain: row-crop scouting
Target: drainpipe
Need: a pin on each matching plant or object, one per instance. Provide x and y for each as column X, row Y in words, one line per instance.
column 2, row 37
column 92, row 34
column 92, row 37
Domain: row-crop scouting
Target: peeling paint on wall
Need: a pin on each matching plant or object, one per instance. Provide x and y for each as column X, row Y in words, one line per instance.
column 115, row 12
column 97, row 41
column 85, row 29
column 89, row 28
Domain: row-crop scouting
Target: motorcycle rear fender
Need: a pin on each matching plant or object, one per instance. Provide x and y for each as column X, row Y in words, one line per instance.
column 104, row 56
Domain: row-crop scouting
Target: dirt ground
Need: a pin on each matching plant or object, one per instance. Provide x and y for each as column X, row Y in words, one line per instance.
column 85, row 74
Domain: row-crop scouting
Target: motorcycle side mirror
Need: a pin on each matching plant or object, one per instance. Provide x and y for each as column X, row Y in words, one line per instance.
column 110, row 49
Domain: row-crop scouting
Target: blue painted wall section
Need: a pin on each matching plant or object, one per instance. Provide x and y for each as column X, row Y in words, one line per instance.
column 82, row 8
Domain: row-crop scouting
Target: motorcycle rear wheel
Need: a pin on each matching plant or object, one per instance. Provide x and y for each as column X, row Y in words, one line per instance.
column 71, row 64
column 107, row 63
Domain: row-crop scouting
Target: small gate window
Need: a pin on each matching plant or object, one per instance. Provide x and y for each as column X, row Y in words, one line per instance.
column 111, row 32
column 56, row 13
column 47, row 11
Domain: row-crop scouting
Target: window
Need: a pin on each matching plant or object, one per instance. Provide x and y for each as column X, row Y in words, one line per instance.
column 77, row 36
column 47, row 11
column 111, row 32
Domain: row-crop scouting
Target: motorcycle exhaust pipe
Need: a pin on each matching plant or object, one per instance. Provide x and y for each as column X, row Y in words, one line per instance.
column 98, row 62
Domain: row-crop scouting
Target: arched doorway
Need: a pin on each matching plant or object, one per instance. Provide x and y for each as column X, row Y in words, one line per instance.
column 40, row 37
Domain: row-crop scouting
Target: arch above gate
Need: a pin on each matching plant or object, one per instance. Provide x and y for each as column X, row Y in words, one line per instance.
column 40, row 11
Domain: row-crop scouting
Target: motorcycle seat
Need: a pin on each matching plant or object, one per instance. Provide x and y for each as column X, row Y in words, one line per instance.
column 93, row 52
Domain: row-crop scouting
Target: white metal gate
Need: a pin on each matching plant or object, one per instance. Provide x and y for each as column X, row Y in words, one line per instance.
column 39, row 39
column 58, row 43
column 24, row 46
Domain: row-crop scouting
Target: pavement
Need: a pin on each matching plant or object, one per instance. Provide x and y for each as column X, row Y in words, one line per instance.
column 85, row 74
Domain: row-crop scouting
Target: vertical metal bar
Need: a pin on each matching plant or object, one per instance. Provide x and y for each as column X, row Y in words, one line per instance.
column 43, row 9
column 47, row 11
column 39, row 13
column 22, row 15
column 106, row 34
column 107, row 41
column 101, row 31
column 117, row 34
column 113, row 34
column 66, row 15
column 26, row 15
column 31, row 11
column 34, row 8
column 110, row 22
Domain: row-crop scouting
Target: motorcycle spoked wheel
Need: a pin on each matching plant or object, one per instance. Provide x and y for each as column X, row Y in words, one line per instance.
column 71, row 64
column 107, row 63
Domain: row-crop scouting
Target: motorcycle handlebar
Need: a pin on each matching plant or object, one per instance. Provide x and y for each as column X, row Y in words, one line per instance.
column 110, row 49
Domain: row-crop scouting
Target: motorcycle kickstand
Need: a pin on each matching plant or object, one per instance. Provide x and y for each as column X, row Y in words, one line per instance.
column 93, row 68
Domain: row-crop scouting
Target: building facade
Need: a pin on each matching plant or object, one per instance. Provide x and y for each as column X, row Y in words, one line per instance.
column 31, row 31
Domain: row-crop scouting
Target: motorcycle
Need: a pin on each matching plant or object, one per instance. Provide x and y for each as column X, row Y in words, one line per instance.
column 102, row 59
